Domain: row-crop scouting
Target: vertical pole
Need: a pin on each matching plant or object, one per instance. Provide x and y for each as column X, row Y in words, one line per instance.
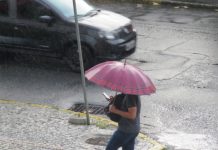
column 81, row 61
column 12, row 8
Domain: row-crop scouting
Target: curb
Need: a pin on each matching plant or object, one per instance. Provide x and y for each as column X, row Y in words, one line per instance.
column 164, row 2
column 200, row 5
column 156, row 145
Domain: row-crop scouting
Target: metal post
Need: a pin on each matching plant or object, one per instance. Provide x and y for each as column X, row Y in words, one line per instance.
column 81, row 61
column 13, row 8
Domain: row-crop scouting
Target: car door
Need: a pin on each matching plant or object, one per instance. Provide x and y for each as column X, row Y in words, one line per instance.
column 35, row 36
column 6, row 26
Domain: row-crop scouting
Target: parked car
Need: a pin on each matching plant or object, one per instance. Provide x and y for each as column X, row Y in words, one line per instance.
column 47, row 27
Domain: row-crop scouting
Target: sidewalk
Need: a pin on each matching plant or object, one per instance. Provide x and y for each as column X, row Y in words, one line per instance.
column 39, row 127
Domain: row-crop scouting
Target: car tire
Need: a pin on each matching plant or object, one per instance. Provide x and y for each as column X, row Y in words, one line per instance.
column 73, row 61
column 5, row 57
column 1, row 57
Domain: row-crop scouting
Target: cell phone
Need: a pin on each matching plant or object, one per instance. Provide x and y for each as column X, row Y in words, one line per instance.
column 106, row 96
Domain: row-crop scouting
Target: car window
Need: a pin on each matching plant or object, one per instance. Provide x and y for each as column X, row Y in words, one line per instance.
column 32, row 10
column 65, row 7
column 4, row 8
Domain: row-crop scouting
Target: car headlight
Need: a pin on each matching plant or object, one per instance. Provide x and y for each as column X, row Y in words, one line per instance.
column 107, row 35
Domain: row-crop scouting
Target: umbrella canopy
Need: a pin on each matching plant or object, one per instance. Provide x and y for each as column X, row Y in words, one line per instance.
column 121, row 77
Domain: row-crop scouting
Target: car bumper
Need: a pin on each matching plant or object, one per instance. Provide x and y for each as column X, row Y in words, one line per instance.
column 118, row 49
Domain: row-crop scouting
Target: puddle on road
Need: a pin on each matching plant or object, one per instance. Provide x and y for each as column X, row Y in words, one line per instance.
column 182, row 140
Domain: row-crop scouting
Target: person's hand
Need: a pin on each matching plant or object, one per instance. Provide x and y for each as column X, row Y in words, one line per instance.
column 112, row 109
column 111, row 98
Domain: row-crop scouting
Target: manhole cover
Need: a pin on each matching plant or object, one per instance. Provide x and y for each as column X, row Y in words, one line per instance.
column 102, row 140
column 93, row 109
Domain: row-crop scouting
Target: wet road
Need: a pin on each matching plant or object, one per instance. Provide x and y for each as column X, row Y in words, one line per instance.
column 177, row 47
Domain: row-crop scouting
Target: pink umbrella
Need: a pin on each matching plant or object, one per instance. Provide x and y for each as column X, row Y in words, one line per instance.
column 121, row 77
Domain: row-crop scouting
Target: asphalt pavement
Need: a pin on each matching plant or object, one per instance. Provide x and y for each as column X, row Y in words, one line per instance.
column 194, row 3
column 32, row 126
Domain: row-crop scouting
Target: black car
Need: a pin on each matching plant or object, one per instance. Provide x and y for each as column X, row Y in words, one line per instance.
column 47, row 27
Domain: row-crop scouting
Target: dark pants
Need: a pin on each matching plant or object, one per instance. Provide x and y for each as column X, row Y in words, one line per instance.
column 122, row 139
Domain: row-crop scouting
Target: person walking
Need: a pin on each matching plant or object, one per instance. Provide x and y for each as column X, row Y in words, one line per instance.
column 132, row 81
column 128, row 125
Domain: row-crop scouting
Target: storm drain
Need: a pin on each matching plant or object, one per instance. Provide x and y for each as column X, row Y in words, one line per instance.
column 93, row 109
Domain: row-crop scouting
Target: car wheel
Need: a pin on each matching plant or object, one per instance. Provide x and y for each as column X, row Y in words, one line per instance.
column 73, row 58
column 5, row 57
column 1, row 58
